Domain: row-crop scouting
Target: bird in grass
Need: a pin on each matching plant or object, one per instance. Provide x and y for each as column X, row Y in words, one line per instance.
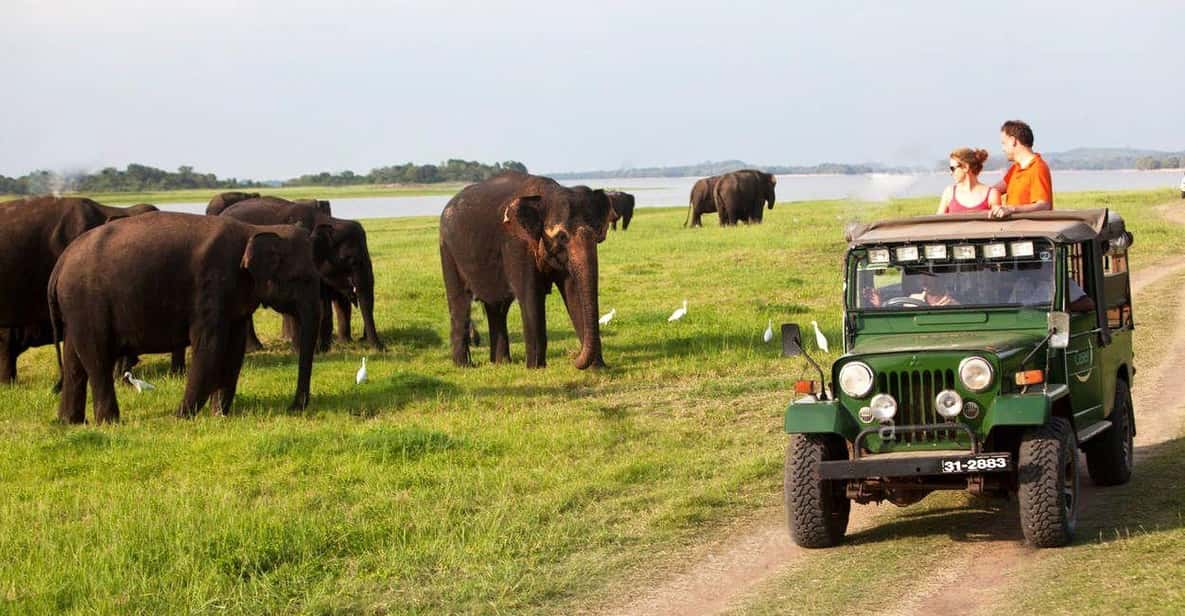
column 679, row 313
column 820, row 339
column 360, row 378
column 608, row 316
column 769, row 331
column 141, row 386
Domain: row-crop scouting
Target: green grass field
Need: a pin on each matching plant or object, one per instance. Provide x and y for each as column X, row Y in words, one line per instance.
column 439, row 489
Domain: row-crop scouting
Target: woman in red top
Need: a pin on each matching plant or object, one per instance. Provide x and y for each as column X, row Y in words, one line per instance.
column 967, row 194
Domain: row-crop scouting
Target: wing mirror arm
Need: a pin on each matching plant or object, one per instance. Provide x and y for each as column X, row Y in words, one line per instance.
column 792, row 347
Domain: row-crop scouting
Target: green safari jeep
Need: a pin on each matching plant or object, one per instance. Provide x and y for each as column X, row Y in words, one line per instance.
column 980, row 354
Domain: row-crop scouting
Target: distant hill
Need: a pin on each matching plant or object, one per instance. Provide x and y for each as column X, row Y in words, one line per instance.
column 1077, row 158
column 724, row 166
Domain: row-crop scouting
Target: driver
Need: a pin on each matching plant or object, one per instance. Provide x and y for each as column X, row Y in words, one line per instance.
column 934, row 292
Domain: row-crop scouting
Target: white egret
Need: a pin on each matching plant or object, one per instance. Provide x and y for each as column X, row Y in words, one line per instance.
column 141, row 386
column 820, row 339
column 769, row 331
column 679, row 313
column 605, row 318
column 360, row 378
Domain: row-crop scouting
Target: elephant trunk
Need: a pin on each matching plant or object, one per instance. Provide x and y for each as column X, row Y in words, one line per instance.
column 308, row 320
column 582, row 267
column 364, row 288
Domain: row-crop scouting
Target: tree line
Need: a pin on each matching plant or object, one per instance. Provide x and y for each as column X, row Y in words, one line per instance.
column 143, row 178
column 452, row 170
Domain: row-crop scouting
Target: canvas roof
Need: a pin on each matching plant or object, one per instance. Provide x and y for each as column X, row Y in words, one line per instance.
column 1064, row 226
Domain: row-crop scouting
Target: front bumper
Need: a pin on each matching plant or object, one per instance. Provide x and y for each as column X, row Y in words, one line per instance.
column 891, row 465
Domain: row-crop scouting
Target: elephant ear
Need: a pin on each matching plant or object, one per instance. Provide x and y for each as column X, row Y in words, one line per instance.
column 262, row 257
column 524, row 218
column 322, row 237
column 76, row 219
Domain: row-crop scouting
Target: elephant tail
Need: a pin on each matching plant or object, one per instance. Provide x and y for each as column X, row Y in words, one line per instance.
column 55, row 325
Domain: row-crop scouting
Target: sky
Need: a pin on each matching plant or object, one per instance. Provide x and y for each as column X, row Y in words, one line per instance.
column 271, row 90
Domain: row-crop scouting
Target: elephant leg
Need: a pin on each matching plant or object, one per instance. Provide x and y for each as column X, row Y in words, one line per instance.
column 205, row 370
column 534, row 312
column 614, row 225
column 499, row 333
column 177, row 362
column 123, row 364
column 253, row 343
column 72, row 402
column 9, row 351
column 344, row 310
column 103, row 389
column 474, row 335
column 459, row 302
column 231, row 366
column 324, row 327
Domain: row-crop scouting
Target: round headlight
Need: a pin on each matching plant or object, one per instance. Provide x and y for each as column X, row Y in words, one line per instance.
column 976, row 373
column 883, row 406
column 949, row 403
column 855, row 379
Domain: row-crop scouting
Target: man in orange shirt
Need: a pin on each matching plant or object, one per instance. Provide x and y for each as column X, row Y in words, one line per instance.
column 1027, row 186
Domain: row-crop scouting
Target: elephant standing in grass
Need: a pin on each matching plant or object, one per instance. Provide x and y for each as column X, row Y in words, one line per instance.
column 33, row 234
column 205, row 278
column 742, row 195
column 702, row 201
column 513, row 237
column 343, row 259
column 622, row 208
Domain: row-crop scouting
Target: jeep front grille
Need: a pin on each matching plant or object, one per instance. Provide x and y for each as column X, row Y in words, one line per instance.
column 914, row 391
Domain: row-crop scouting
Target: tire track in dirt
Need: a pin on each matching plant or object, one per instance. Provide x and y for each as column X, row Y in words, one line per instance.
column 734, row 566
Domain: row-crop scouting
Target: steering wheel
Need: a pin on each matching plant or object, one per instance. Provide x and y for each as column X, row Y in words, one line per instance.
column 910, row 302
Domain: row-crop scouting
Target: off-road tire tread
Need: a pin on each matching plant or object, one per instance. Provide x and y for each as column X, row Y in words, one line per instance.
column 817, row 516
column 1039, row 464
column 1105, row 461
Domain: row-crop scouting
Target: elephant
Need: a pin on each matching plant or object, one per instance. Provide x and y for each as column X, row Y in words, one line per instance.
column 343, row 259
column 702, row 201
column 622, row 208
column 510, row 238
column 740, row 195
column 205, row 278
column 222, row 201
column 33, row 233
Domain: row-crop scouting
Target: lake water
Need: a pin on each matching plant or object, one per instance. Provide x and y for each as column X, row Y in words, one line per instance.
column 653, row 192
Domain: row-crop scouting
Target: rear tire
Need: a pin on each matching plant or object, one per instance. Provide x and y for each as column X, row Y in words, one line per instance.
column 817, row 511
column 1109, row 456
column 1047, row 470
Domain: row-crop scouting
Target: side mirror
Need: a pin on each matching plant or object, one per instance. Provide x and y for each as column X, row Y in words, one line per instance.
column 791, row 340
column 1059, row 330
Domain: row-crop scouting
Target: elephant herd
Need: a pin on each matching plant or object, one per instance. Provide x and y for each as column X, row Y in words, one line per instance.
column 738, row 196
column 113, row 283
column 105, row 285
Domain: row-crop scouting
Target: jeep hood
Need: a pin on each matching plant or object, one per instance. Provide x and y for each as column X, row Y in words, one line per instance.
column 1000, row 343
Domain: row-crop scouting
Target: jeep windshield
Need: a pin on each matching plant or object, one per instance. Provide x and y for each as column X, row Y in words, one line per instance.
column 946, row 276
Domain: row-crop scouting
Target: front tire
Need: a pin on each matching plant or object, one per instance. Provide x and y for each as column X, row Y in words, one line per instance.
column 817, row 510
column 1049, row 491
column 1109, row 457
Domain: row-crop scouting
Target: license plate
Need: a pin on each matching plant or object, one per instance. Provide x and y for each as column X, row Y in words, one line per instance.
column 986, row 463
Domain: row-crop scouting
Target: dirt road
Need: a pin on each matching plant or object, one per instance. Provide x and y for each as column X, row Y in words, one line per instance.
column 735, row 566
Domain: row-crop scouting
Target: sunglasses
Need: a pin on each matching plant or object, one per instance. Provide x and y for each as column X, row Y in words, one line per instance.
column 953, row 167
